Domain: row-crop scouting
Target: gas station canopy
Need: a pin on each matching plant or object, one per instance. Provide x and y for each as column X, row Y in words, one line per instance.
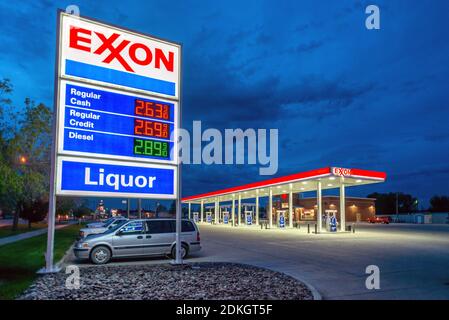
column 324, row 178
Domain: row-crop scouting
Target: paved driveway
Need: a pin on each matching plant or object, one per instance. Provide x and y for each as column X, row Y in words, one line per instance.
column 413, row 259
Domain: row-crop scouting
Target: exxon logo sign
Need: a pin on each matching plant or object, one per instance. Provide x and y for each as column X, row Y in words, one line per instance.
column 342, row 172
column 116, row 47
column 102, row 53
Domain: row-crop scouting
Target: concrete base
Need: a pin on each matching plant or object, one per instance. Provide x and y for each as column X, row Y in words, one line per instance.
column 54, row 269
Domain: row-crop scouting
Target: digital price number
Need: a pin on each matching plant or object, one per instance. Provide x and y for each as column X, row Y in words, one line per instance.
column 149, row 147
column 151, row 128
column 152, row 109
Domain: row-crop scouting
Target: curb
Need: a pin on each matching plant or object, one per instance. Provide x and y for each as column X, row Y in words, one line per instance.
column 315, row 294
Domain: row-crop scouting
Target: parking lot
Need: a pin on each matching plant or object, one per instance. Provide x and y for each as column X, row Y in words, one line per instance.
column 413, row 259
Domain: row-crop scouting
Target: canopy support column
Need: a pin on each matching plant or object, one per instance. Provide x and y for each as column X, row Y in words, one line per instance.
column 217, row 211
column 239, row 210
column 190, row 209
column 290, row 206
column 257, row 207
column 233, row 210
column 319, row 207
column 342, row 207
column 202, row 211
column 270, row 209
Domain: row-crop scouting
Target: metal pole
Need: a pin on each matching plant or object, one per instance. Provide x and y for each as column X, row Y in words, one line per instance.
column 290, row 206
column 233, row 210
column 257, row 207
column 49, row 267
column 217, row 211
column 190, row 208
column 202, row 211
column 270, row 208
column 320, row 209
column 239, row 209
column 178, row 259
column 342, row 207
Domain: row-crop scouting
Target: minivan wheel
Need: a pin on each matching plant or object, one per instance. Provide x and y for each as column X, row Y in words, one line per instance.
column 100, row 255
column 184, row 251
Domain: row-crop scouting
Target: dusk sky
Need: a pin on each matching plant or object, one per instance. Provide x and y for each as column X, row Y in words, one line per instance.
column 340, row 95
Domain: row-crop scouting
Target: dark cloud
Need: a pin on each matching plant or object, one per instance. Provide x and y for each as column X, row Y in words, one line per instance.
column 338, row 93
column 306, row 47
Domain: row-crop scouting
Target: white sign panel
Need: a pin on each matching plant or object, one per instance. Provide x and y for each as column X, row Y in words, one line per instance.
column 105, row 54
column 117, row 112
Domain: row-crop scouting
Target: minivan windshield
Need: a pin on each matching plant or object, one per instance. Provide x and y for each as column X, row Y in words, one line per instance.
column 119, row 224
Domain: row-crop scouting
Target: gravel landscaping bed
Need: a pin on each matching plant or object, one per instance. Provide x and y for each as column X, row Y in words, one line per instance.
column 160, row 282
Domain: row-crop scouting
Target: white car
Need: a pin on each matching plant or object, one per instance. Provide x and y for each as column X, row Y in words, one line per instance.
column 100, row 227
column 101, row 224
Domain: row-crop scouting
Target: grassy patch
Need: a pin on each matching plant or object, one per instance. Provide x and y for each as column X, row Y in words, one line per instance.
column 6, row 231
column 20, row 260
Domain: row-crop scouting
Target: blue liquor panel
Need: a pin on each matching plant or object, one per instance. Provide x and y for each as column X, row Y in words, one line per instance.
column 101, row 178
column 112, row 123
column 116, row 145
column 108, row 101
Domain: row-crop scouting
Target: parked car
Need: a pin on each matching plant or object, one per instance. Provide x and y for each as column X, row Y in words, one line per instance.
column 136, row 238
column 111, row 224
column 101, row 224
column 384, row 220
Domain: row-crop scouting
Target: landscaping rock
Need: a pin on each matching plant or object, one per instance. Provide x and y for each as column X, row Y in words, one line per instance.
column 211, row 281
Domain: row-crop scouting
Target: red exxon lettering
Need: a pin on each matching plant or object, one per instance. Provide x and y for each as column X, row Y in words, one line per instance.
column 121, row 50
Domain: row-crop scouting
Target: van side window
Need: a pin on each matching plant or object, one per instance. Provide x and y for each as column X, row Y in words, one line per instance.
column 187, row 226
column 133, row 228
column 160, row 226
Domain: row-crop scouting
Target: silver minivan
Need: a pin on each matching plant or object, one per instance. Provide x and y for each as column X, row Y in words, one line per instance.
column 137, row 238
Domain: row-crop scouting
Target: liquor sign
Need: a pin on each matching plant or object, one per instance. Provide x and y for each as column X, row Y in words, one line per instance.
column 117, row 112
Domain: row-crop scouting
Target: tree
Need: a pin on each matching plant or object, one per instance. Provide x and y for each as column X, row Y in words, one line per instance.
column 34, row 211
column 82, row 211
column 386, row 202
column 25, row 140
column 65, row 205
column 439, row 204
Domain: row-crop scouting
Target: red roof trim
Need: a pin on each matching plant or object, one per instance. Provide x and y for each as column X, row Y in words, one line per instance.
column 284, row 179
column 264, row 183
column 368, row 173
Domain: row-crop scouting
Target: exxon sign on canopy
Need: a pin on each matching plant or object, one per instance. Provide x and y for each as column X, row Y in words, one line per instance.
column 104, row 54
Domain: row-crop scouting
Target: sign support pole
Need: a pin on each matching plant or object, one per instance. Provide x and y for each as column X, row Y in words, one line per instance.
column 178, row 259
column 49, row 267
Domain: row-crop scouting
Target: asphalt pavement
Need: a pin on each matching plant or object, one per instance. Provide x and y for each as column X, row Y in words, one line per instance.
column 413, row 259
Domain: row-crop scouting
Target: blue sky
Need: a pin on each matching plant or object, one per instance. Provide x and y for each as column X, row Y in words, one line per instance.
column 340, row 95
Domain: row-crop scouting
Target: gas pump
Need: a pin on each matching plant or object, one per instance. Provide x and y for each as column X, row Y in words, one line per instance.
column 225, row 217
column 249, row 217
column 195, row 217
column 209, row 217
column 281, row 220
column 331, row 220
column 332, row 223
